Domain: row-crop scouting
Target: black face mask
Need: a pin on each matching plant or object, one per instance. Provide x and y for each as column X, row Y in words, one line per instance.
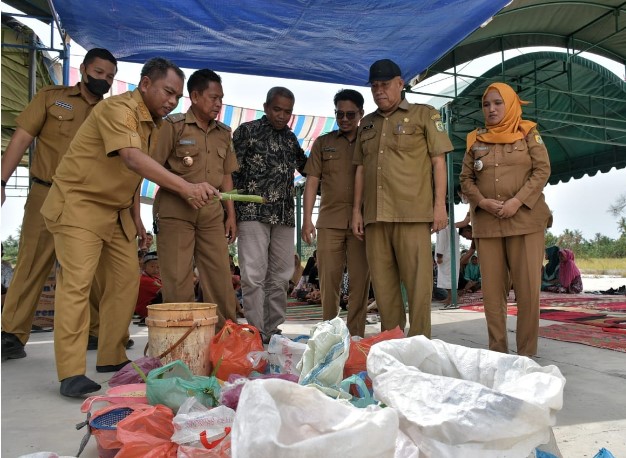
column 97, row 86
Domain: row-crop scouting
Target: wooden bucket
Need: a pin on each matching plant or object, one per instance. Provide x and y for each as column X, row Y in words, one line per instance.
column 193, row 322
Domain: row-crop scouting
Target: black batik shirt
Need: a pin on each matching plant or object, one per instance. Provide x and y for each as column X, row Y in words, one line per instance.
column 267, row 159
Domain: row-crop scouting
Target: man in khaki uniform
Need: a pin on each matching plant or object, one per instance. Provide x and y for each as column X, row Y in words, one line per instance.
column 400, row 153
column 198, row 148
column 92, row 211
column 53, row 117
column 331, row 163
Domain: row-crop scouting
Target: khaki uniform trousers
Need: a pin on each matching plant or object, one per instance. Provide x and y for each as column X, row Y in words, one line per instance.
column 180, row 243
column 401, row 252
column 519, row 258
column 79, row 253
column 35, row 261
column 335, row 248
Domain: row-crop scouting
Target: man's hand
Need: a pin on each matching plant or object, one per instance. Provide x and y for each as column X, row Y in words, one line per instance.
column 440, row 220
column 357, row 225
column 199, row 194
column 308, row 232
column 231, row 229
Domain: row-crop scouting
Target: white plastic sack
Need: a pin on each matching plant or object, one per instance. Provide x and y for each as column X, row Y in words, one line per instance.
column 43, row 455
column 455, row 401
column 326, row 353
column 284, row 355
column 193, row 418
column 280, row 419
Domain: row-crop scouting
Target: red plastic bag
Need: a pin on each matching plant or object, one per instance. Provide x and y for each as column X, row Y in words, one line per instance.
column 230, row 348
column 104, row 431
column 357, row 358
column 147, row 433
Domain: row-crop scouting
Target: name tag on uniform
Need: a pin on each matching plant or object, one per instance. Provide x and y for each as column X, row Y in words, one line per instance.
column 371, row 126
column 187, row 141
column 62, row 104
column 329, row 149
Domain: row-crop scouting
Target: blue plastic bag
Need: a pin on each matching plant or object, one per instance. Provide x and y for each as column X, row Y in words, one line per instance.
column 603, row 453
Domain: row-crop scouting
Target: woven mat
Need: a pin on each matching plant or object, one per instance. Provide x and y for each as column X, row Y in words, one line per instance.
column 564, row 301
column 587, row 335
column 303, row 311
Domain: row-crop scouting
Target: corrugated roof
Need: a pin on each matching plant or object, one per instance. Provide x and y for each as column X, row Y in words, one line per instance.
column 593, row 25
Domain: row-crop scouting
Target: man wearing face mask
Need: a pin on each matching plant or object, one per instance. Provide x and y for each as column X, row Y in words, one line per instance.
column 53, row 117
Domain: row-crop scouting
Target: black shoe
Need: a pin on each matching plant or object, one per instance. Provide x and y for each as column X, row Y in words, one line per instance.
column 111, row 367
column 130, row 344
column 92, row 343
column 12, row 347
column 78, row 386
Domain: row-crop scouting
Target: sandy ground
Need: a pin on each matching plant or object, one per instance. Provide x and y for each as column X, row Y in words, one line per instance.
column 602, row 282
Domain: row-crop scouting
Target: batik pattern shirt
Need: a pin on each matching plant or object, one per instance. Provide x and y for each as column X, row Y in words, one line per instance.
column 267, row 159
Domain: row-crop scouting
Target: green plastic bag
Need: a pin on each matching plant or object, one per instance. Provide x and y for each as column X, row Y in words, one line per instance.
column 173, row 384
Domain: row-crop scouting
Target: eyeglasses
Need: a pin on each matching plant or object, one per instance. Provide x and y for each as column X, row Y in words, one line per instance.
column 348, row 114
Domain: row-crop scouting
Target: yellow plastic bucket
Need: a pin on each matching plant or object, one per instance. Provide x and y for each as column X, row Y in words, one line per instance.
column 168, row 324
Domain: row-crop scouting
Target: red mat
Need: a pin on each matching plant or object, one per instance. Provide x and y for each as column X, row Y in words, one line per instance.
column 587, row 335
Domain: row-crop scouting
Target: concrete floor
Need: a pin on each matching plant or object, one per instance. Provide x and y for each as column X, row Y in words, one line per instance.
column 35, row 417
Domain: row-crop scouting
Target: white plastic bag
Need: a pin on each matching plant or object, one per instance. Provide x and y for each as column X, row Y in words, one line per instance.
column 285, row 354
column 194, row 419
column 326, row 353
column 455, row 401
column 280, row 419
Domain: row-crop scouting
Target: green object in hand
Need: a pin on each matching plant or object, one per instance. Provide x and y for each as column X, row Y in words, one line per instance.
column 234, row 195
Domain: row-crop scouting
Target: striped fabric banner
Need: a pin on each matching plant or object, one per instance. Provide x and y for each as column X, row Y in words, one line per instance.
column 306, row 128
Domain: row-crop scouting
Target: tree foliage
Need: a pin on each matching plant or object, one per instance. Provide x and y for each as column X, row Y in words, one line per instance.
column 600, row 246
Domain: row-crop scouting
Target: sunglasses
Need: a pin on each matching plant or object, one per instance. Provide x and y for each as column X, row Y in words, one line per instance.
column 348, row 114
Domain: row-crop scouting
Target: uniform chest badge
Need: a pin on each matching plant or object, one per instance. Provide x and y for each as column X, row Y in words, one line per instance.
column 188, row 161
column 478, row 165
column 62, row 104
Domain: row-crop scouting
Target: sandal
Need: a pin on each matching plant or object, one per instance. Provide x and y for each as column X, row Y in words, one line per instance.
column 450, row 307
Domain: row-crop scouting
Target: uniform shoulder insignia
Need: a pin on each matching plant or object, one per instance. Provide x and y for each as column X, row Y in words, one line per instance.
column 175, row 117
column 424, row 105
column 54, row 87
column 223, row 126
column 535, row 134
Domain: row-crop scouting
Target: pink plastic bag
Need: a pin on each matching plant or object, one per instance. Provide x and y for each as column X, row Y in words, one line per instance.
column 232, row 390
column 128, row 374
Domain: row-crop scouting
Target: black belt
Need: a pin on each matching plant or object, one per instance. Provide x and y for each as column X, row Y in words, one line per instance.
column 41, row 182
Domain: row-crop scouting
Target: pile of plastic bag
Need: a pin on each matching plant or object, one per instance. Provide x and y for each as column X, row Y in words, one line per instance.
column 332, row 396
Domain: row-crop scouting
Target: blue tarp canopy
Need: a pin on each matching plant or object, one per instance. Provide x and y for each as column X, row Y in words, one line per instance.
column 318, row 40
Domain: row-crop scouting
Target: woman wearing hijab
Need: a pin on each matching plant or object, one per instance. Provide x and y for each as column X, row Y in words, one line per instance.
column 550, row 272
column 505, row 169
column 569, row 279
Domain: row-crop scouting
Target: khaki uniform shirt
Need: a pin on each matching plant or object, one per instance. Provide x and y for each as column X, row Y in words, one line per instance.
column 188, row 151
column 92, row 187
column 53, row 116
column 331, row 162
column 395, row 152
column 520, row 170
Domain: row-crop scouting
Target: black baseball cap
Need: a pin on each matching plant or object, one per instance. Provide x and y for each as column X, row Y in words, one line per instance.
column 384, row 70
